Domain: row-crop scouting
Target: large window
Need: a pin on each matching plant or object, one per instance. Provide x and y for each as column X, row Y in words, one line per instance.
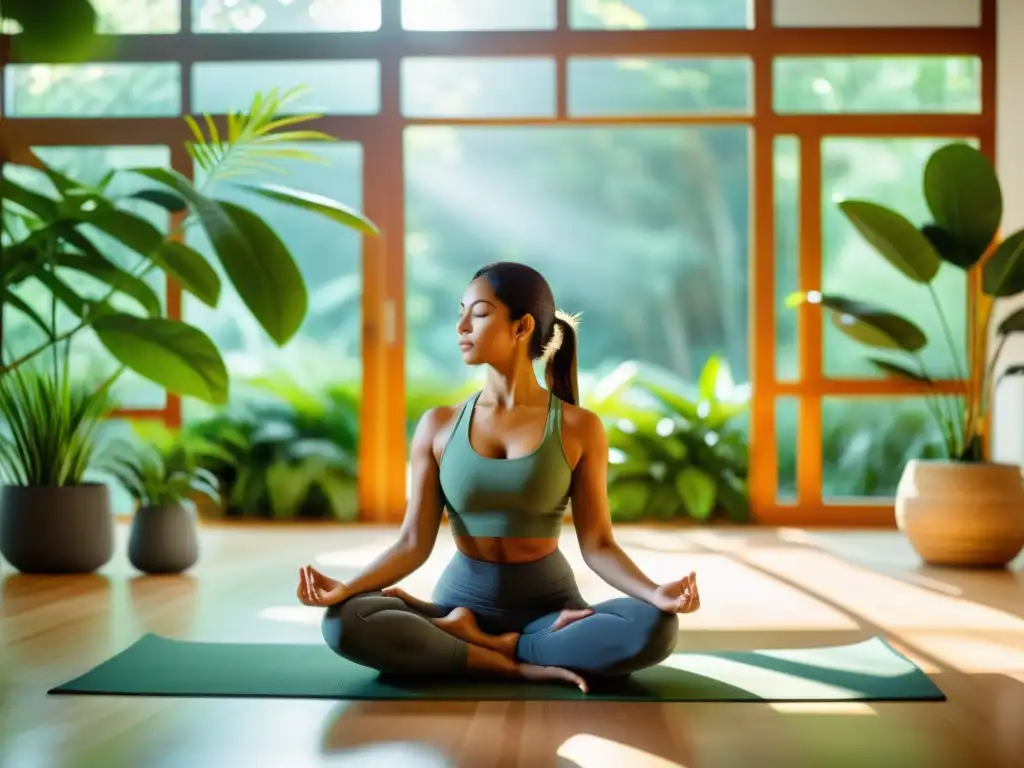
column 672, row 167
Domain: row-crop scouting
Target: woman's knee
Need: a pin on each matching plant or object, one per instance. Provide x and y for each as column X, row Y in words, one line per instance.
column 345, row 626
column 654, row 634
column 662, row 634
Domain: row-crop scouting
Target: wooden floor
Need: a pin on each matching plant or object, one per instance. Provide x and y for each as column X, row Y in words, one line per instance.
column 759, row 588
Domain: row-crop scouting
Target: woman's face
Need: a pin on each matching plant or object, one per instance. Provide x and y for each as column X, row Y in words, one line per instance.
column 486, row 335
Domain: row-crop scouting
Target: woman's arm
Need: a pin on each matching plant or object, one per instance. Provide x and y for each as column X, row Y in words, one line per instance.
column 422, row 517
column 592, row 517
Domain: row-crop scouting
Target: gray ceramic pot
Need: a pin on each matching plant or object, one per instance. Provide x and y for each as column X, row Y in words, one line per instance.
column 163, row 539
column 56, row 529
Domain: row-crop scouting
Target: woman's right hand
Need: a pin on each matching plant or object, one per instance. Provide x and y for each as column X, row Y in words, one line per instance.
column 315, row 589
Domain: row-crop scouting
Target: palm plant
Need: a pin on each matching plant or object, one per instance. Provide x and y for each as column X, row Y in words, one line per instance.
column 38, row 229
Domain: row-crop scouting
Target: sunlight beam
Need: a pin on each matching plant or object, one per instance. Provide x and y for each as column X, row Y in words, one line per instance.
column 588, row 751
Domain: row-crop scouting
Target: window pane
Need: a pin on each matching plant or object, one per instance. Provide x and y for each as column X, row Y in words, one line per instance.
column 330, row 87
column 89, row 358
column 306, row 393
column 867, row 441
column 886, row 171
column 241, row 16
column 93, row 90
column 662, row 86
column 642, row 229
column 138, row 17
column 465, row 15
column 472, row 87
column 787, row 255
column 879, row 84
column 659, row 14
column 787, row 436
column 877, row 13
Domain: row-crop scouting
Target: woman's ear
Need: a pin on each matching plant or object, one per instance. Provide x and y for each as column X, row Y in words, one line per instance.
column 524, row 328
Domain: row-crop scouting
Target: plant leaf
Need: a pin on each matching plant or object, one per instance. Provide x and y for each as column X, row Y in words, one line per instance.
column 895, row 238
column 44, row 207
column 866, row 323
column 707, row 385
column 947, row 246
column 898, row 371
column 13, row 300
column 1013, row 323
column 324, row 206
column 191, row 269
column 697, row 489
column 97, row 266
column 168, row 201
column 1003, row 274
column 963, row 193
column 733, row 498
column 341, row 493
column 271, row 285
column 171, row 353
column 133, row 231
column 255, row 260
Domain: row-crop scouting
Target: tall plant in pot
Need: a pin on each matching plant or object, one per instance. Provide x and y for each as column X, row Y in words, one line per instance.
column 52, row 520
column 161, row 469
column 964, row 509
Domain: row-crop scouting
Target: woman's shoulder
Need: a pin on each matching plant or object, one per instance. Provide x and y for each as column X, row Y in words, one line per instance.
column 438, row 421
column 581, row 423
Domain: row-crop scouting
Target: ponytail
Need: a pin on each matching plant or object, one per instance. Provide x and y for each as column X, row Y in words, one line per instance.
column 560, row 371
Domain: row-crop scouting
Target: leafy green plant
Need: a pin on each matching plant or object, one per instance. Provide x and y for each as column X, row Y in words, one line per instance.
column 49, row 425
column 965, row 199
column 161, row 466
column 294, row 451
column 38, row 230
column 674, row 449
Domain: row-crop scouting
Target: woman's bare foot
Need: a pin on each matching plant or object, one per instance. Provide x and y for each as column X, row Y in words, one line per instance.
column 485, row 660
column 568, row 616
column 533, row 672
column 462, row 624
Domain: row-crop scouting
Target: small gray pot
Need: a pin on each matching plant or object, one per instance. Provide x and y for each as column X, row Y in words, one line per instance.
column 163, row 539
column 54, row 530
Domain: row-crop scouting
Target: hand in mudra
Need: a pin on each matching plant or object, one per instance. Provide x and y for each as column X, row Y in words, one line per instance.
column 318, row 590
column 678, row 596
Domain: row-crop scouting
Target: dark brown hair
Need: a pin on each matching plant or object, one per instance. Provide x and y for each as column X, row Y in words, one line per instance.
column 524, row 291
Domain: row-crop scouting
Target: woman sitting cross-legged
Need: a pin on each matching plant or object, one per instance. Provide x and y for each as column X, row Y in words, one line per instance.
column 504, row 464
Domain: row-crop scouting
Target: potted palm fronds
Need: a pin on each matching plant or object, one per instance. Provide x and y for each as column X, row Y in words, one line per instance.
column 963, row 509
column 162, row 470
column 52, row 520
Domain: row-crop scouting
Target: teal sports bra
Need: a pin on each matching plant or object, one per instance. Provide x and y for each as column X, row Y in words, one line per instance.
column 525, row 497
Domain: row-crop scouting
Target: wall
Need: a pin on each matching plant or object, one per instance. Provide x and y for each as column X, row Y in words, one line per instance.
column 1008, row 406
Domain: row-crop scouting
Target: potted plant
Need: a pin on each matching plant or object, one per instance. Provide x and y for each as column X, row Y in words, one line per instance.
column 52, row 520
column 962, row 509
column 162, row 469
column 289, row 451
column 675, row 451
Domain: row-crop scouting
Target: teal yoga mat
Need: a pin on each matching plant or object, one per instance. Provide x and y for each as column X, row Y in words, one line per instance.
column 157, row 666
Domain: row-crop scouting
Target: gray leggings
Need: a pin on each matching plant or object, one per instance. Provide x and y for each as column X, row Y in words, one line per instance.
column 622, row 636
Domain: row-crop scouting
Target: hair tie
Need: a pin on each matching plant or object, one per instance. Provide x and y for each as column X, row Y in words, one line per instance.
column 573, row 321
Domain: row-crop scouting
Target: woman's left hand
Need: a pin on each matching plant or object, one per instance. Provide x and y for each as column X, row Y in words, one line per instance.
column 678, row 596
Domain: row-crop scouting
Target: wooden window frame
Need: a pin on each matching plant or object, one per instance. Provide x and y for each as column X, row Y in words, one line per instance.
column 382, row 459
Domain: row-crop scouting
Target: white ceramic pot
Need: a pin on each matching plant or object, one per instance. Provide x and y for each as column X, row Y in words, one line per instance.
column 962, row 514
